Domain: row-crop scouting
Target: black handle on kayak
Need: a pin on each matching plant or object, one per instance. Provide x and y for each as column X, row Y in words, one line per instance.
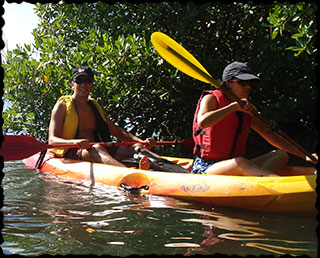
column 133, row 188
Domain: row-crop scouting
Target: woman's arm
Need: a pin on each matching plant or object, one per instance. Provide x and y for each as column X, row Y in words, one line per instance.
column 276, row 140
column 209, row 114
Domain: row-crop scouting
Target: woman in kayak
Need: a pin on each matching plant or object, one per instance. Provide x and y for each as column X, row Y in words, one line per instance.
column 79, row 119
column 221, row 127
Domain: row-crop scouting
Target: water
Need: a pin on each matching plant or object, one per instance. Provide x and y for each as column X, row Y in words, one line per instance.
column 47, row 215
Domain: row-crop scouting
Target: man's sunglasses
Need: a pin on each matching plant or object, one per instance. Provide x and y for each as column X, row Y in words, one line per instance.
column 80, row 81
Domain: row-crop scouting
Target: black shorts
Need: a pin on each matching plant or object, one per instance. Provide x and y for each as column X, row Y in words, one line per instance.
column 75, row 153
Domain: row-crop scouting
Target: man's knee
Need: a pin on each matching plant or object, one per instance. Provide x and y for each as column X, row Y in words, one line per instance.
column 97, row 150
column 98, row 147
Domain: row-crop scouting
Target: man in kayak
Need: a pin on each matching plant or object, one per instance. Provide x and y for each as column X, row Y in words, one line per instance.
column 79, row 119
column 221, row 127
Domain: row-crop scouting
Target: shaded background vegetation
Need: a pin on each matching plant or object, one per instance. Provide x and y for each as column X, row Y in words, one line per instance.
column 146, row 95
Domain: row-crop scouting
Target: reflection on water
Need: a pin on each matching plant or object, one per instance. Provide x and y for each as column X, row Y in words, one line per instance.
column 248, row 232
column 47, row 215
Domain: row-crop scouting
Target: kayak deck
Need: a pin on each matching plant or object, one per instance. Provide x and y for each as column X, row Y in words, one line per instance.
column 294, row 193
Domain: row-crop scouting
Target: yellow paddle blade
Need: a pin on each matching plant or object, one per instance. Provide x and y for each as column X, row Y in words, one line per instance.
column 180, row 58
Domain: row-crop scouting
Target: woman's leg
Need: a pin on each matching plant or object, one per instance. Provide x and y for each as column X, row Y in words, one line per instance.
column 273, row 160
column 239, row 167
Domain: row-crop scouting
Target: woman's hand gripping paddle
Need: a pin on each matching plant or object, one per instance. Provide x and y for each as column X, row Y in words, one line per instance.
column 180, row 58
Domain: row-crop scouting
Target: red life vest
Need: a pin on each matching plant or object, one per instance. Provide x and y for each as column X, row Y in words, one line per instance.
column 225, row 139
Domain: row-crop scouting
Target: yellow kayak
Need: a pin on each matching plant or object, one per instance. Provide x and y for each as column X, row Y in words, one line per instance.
column 293, row 191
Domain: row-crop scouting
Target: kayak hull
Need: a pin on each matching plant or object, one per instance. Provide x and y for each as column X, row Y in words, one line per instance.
column 296, row 193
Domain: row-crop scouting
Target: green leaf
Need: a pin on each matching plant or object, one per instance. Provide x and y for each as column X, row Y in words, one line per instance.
column 297, row 35
column 274, row 33
column 294, row 48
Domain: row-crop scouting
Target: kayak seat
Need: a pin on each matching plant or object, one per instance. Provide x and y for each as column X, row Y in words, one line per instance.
column 156, row 164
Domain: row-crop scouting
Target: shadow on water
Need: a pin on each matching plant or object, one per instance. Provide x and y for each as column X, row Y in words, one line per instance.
column 47, row 215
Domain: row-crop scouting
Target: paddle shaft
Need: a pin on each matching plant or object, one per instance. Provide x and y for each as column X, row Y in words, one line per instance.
column 232, row 96
column 109, row 144
column 16, row 147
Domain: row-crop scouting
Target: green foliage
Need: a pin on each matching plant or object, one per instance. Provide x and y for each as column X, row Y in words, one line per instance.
column 298, row 20
column 136, row 87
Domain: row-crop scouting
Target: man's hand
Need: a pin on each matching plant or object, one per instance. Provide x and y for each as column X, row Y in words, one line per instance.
column 82, row 143
column 151, row 142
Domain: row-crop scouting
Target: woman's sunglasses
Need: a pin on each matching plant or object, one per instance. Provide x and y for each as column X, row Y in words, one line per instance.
column 244, row 83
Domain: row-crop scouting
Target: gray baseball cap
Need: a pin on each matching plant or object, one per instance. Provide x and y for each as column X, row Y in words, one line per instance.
column 238, row 70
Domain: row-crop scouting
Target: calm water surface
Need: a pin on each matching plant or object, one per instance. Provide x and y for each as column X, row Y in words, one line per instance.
column 47, row 215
